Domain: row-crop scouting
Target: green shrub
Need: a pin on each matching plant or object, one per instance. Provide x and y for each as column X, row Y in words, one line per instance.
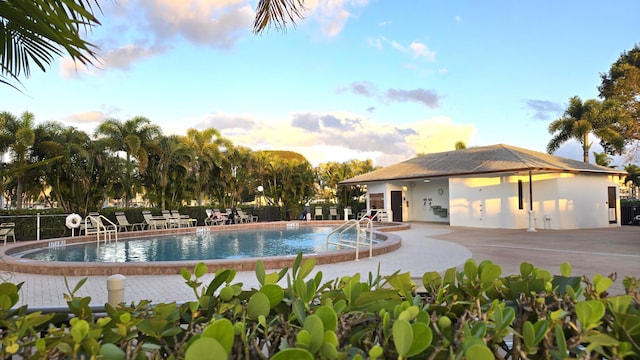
column 476, row 313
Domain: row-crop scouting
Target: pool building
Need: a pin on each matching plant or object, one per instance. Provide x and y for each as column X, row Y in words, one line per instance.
column 498, row 186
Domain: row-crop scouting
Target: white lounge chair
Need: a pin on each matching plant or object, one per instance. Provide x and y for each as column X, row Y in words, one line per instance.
column 318, row 213
column 213, row 218
column 125, row 225
column 333, row 213
column 7, row 231
column 154, row 222
column 242, row 217
column 183, row 220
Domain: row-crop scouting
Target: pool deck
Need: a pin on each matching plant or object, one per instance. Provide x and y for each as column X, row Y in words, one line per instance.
column 425, row 247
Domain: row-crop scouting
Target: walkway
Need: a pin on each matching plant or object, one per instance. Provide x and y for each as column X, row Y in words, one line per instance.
column 425, row 247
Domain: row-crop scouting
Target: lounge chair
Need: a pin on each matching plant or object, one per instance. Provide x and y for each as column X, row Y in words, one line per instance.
column 348, row 213
column 6, row 231
column 214, row 217
column 125, row 225
column 171, row 222
column 183, row 220
column 154, row 222
column 333, row 213
column 242, row 217
column 318, row 213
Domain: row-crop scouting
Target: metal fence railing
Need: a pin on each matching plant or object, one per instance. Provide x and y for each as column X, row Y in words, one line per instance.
column 38, row 226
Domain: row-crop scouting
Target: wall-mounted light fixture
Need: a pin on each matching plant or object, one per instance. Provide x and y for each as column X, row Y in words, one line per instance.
column 427, row 180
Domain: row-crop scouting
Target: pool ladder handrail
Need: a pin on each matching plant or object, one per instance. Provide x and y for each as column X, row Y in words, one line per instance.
column 100, row 228
column 348, row 225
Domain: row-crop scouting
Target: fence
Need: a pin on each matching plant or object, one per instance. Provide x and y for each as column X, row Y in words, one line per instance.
column 628, row 212
column 38, row 226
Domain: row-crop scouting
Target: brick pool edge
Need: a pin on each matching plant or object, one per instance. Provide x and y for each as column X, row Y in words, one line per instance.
column 15, row 264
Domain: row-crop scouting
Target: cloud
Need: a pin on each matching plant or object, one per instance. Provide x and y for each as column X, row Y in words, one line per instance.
column 123, row 57
column 134, row 30
column 138, row 29
column 70, row 69
column 420, row 50
column 332, row 15
column 214, row 23
column 222, row 121
column 364, row 88
column 426, row 97
column 544, row 110
column 88, row 117
column 323, row 137
column 429, row 98
column 417, row 50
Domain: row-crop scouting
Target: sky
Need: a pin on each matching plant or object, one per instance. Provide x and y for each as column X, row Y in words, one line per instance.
column 355, row 79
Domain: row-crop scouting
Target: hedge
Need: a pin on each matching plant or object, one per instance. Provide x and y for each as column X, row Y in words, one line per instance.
column 473, row 313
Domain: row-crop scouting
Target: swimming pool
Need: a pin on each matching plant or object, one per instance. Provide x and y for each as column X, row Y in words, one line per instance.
column 197, row 246
column 11, row 260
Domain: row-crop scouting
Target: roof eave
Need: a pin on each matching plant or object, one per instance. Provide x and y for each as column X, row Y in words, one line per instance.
column 473, row 173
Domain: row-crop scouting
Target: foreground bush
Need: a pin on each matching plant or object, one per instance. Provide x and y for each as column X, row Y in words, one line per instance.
column 476, row 313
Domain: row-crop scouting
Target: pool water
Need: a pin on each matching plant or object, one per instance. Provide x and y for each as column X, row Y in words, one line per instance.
column 198, row 246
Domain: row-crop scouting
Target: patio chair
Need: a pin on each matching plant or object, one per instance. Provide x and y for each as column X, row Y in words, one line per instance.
column 88, row 227
column 171, row 222
column 318, row 213
column 183, row 220
column 154, row 222
column 242, row 217
column 333, row 213
column 214, row 217
column 6, row 231
column 125, row 225
column 349, row 213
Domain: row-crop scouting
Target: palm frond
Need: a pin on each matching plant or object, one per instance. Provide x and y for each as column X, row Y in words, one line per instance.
column 277, row 13
column 35, row 32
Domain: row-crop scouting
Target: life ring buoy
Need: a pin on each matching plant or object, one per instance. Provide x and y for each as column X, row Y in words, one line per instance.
column 73, row 221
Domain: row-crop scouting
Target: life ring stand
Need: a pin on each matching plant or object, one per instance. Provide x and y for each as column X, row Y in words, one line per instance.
column 73, row 221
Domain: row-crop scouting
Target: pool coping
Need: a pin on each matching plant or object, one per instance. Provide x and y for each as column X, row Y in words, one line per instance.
column 14, row 264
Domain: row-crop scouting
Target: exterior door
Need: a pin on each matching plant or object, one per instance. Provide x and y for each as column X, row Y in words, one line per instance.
column 613, row 205
column 396, row 205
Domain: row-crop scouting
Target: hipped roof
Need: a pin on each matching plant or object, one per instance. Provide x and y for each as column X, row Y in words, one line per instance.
column 494, row 159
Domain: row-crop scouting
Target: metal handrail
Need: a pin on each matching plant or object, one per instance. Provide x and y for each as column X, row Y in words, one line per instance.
column 346, row 226
column 101, row 228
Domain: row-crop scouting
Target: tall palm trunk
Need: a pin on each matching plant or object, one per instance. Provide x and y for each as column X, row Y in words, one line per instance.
column 585, row 148
column 19, row 191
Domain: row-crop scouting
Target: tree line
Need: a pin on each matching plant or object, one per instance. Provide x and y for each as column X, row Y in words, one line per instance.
column 68, row 168
column 614, row 118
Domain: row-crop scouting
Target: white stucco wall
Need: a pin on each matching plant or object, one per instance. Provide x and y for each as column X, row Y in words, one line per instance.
column 487, row 202
column 580, row 201
column 423, row 197
column 560, row 201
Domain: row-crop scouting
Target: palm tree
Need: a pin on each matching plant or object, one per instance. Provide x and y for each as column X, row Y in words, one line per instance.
column 37, row 31
column 77, row 182
column 17, row 137
column 577, row 123
column 207, row 146
column 602, row 159
column 167, row 176
column 131, row 137
column 633, row 177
